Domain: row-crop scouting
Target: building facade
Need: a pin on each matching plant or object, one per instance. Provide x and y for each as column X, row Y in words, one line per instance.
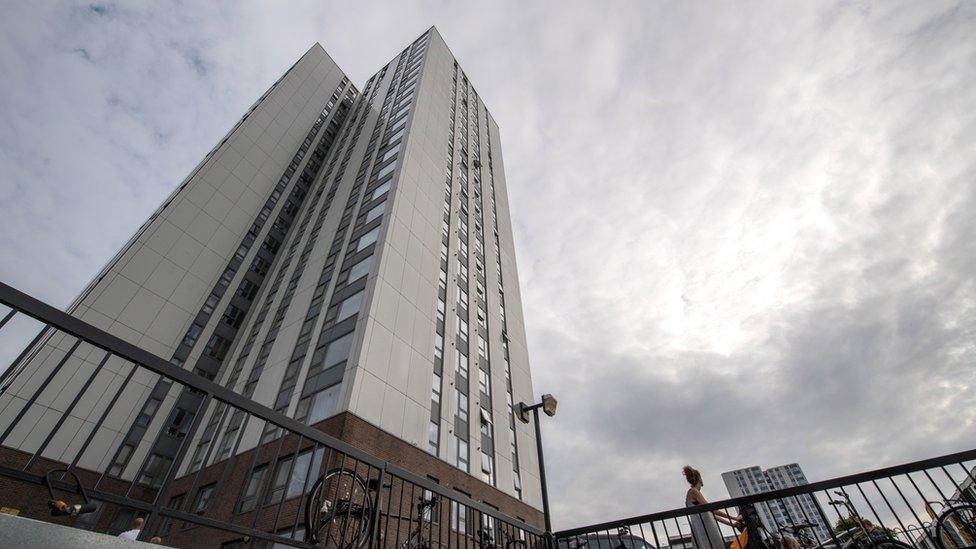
column 342, row 256
column 782, row 512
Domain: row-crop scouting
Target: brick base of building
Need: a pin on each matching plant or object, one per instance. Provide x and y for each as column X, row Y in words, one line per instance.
column 230, row 477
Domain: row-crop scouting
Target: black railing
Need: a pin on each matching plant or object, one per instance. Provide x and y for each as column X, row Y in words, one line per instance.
column 334, row 495
column 928, row 503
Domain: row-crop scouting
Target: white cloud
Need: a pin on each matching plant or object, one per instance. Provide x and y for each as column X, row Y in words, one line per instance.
column 749, row 211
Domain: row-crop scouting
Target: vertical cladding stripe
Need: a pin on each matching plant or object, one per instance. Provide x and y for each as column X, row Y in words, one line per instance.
column 182, row 413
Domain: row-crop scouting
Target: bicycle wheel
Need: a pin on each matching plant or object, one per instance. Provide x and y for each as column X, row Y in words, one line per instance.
column 338, row 512
column 956, row 526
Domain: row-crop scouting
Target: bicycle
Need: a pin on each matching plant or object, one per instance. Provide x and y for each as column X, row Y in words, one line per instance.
column 866, row 535
column 334, row 514
column 487, row 541
column 957, row 519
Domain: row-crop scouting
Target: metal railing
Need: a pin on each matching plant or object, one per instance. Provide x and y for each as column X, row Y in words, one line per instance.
column 347, row 497
column 889, row 507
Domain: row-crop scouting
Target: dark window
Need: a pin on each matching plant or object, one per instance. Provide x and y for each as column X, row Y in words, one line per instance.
column 204, row 495
column 249, row 497
column 233, row 316
column 155, row 470
column 217, row 347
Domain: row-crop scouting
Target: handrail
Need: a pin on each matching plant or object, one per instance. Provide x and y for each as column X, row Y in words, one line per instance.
column 837, row 482
column 92, row 335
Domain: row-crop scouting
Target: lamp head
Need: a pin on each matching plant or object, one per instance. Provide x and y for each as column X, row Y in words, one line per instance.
column 549, row 405
column 521, row 412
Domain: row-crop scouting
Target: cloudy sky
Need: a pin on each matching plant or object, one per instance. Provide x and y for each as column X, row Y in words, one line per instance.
column 746, row 232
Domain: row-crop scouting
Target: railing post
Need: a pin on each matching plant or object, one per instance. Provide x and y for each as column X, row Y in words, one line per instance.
column 173, row 467
column 375, row 512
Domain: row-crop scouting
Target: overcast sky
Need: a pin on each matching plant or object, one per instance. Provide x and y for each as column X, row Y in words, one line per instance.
column 746, row 233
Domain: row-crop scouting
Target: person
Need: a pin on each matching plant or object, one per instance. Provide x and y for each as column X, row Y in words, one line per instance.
column 705, row 532
column 133, row 534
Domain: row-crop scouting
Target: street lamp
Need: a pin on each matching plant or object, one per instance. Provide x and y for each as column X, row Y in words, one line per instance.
column 548, row 406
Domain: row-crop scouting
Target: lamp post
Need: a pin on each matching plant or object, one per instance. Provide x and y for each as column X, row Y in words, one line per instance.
column 548, row 406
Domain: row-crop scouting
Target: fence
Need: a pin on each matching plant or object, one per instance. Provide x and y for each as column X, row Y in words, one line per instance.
column 297, row 487
column 928, row 503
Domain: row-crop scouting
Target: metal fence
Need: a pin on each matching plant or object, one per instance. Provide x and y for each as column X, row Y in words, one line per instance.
column 929, row 503
column 334, row 495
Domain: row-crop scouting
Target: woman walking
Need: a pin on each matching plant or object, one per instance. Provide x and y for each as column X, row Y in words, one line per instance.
column 704, row 526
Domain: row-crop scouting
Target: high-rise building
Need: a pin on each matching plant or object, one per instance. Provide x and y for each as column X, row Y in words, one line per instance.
column 787, row 512
column 344, row 257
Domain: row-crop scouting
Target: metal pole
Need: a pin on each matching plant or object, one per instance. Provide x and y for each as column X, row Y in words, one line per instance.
column 542, row 477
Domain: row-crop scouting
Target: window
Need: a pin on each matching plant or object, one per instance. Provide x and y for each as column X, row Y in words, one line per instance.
column 433, row 436
column 233, row 316
column 176, row 503
column 462, row 328
column 217, row 347
column 202, row 500
column 382, row 189
column 462, row 366
column 483, row 384
column 155, row 471
column 462, row 459
column 436, row 388
column 250, row 495
column 208, row 307
column 390, row 153
column 459, row 519
column 337, row 351
column 349, row 306
column 487, row 468
column 288, row 481
column 148, row 411
column 367, row 239
column 386, row 170
column 323, row 404
column 247, row 289
column 359, row 270
column 180, row 423
column 482, row 347
column 284, row 532
column 374, row 212
column 192, row 334
column 462, row 404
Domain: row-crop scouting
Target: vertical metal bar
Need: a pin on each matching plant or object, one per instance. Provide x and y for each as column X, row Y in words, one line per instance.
column 951, row 479
column 664, row 524
column 375, row 511
column 67, row 412
column 11, row 370
column 291, row 471
column 819, row 508
column 232, row 458
column 163, row 490
column 7, row 318
column 273, row 467
column 335, row 496
column 301, row 506
column 967, row 473
column 400, row 512
column 903, row 498
column 206, row 458
column 888, row 503
column 101, row 419
column 50, row 377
